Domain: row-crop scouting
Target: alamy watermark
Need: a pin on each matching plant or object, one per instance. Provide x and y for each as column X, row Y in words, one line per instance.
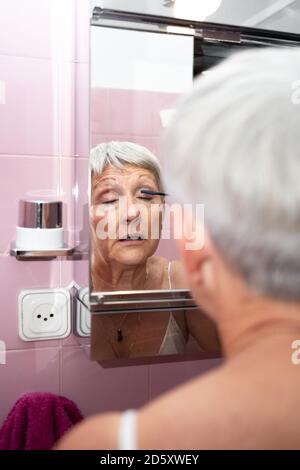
column 296, row 92
column 2, row 92
column 154, row 221
column 295, row 358
column 2, row 353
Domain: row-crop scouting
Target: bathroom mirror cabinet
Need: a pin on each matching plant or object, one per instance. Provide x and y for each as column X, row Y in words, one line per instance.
column 141, row 65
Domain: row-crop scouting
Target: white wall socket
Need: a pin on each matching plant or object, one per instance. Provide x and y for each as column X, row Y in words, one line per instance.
column 83, row 317
column 44, row 314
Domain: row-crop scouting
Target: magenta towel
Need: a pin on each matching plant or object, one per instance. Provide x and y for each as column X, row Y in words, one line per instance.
column 37, row 421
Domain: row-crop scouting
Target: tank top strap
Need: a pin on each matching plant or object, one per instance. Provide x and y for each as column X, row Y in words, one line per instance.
column 174, row 341
column 169, row 274
column 127, row 435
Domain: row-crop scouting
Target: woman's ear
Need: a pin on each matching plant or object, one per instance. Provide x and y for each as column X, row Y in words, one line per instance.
column 200, row 268
column 194, row 259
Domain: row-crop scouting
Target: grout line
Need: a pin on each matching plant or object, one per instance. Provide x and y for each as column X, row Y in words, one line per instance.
column 45, row 59
column 149, row 382
column 60, row 370
column 48, row 348
column 12, row 155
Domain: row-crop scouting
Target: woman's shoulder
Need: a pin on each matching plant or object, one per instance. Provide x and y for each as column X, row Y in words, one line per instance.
column 177, row 270
column 178, row 275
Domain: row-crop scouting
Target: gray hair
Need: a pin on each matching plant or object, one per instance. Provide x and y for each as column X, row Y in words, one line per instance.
column 235, row 146
column 118, row 154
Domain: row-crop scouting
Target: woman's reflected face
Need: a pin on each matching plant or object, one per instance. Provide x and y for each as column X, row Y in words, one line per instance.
column 132, row 220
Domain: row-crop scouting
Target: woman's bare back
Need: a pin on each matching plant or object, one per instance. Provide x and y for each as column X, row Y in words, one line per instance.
column 252, row 401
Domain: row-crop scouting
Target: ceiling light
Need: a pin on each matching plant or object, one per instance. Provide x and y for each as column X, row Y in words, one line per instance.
column 194, row 9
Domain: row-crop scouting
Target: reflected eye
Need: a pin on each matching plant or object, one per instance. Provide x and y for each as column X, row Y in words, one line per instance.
column 109, row 197
column 109, row 202
column 145, row 196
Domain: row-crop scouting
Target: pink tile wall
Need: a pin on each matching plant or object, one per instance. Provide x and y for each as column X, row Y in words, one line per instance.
column 44, row 147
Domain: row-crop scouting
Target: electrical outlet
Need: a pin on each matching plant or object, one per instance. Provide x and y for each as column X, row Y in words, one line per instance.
column 44, row 314
column 83, row 317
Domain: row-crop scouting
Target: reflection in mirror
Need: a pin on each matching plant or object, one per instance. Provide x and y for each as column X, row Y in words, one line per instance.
column 136, row 83
column 127, row 205
column 148, row 334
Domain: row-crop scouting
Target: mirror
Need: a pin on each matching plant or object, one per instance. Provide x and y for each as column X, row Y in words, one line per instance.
column 139, row 297
column 140, row 66
column 136, row 80
column 135, row 85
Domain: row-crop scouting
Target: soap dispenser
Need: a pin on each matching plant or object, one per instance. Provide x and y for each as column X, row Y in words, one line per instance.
column 39, row 225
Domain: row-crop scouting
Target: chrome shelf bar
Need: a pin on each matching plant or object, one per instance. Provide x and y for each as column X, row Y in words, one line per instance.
column 40, row 255
column 141, row 301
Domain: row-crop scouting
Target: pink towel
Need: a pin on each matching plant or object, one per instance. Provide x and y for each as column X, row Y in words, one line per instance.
column 37, row 421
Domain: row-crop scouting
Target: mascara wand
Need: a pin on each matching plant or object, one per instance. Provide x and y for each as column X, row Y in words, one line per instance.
column 153, row 193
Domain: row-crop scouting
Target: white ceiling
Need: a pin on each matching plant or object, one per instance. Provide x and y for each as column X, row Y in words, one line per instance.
column 280, row 15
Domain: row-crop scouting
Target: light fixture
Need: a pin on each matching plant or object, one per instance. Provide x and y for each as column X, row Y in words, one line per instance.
column 193, row 9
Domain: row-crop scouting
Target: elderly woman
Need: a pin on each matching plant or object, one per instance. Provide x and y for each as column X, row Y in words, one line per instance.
column 127, row 205
column 241, row 157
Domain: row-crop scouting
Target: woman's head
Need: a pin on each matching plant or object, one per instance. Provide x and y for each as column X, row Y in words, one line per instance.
column 119, row 154
column 120, row 171
column 235, row 147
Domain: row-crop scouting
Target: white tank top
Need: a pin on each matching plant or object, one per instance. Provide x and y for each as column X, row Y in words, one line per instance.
column 173, row 343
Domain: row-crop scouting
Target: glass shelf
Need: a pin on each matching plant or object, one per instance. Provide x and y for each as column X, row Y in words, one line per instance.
column 40, row 255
